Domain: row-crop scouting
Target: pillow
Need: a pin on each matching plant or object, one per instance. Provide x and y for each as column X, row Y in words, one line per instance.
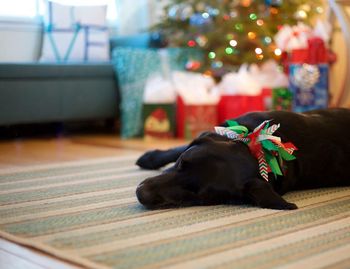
column 75, row 33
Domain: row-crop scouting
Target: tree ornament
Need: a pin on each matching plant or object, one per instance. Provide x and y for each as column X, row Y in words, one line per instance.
column 200, row 7
column 186, row 12
column 234, row 3
column 180, row 12
column 246, row 3
column 216, row 64
column 201, row 40
column 191, row 43
column 274, row 3
column 212, row 11
column 200, row 19
column 301, row 15
column 233, row 14
column 193, row 65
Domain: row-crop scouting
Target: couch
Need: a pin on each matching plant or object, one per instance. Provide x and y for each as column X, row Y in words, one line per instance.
column 53, row 92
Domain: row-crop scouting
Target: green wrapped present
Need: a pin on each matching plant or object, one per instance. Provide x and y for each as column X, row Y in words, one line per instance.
column 282, row 99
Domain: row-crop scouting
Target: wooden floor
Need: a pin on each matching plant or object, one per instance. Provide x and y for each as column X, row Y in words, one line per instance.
column 26, row 152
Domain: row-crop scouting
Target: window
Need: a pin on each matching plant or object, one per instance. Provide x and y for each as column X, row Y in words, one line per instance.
column 18, row 8
column 33, row 8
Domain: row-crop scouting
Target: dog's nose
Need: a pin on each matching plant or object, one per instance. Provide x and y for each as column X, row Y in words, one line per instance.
column 143, row 195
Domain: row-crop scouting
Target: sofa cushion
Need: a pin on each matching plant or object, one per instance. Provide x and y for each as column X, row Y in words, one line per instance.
column 64, row 71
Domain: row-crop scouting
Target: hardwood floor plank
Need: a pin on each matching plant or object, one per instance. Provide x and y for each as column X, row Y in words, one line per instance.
column 15, row 256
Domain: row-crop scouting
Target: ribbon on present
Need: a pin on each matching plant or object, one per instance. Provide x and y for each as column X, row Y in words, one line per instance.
column 264, row 146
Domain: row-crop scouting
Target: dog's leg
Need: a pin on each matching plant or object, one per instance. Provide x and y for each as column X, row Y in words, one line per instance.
column 262, row 194
column 155, row 159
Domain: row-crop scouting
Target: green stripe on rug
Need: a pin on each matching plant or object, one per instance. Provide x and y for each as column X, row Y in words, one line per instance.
column 49, row 193
column 62, row 179
column 50, row 206
column 64, row 170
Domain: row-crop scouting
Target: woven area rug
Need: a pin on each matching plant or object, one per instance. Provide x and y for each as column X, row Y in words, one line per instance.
column 86, row 212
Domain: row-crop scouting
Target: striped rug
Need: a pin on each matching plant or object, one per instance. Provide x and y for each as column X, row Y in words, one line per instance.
column 86, row 212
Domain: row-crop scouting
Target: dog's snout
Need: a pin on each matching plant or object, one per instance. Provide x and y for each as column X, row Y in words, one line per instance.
column 140, row 194
column 144, row 195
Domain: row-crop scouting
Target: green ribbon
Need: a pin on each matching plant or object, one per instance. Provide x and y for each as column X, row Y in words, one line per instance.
column 239, row 129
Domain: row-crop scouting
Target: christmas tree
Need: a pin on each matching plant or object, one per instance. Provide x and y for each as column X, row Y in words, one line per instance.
column 232, row 32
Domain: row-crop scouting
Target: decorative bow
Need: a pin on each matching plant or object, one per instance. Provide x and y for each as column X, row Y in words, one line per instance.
column 265, row 147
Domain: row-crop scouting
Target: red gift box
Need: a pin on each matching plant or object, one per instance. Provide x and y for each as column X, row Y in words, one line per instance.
column 232, row 106
column 191, row 120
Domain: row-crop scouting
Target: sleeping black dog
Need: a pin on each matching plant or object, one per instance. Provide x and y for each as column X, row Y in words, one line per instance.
column 215, row 169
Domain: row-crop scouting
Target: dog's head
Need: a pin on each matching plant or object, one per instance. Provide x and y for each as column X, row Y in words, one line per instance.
column 213, row 170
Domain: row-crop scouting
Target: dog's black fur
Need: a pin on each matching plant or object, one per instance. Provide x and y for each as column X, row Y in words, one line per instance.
column 213, row 169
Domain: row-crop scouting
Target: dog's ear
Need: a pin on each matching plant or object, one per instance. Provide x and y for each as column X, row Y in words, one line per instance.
column 262, row 194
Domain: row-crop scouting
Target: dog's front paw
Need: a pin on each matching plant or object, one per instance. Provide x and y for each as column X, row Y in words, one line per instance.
column 150, row 160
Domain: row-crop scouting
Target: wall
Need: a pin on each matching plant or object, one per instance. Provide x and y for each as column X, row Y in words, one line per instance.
column 20, row 40
column 137, row 16
column 338, row 70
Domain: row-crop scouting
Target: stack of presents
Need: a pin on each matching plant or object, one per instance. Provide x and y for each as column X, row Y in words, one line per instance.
column 162, row 100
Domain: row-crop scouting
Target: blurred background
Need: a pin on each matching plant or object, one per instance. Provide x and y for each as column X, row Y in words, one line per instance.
column 165, row 69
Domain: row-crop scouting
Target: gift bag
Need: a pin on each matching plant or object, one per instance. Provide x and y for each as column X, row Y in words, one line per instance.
column 309, row 85
column 158, row 121
column 307, row 64
column 192, row 120
column 133, row 66
column 308, row 76
column 196, row 105
column 159, row 108
column 240, row 93
column 232, row 106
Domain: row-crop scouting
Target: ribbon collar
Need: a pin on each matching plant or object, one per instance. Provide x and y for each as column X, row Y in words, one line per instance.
column 265, row 147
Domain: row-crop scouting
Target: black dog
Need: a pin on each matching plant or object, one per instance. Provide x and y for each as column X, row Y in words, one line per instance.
column 214, row 169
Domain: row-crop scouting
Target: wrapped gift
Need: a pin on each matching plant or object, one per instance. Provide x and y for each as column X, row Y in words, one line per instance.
column 159, row 108
column 309, row 76
column 196, row 105
column 132, row 78
column 294, row 41
column 282, row 99
column 240, row 93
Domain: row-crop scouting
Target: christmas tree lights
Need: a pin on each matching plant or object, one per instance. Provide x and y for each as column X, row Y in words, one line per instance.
column 232, row 32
